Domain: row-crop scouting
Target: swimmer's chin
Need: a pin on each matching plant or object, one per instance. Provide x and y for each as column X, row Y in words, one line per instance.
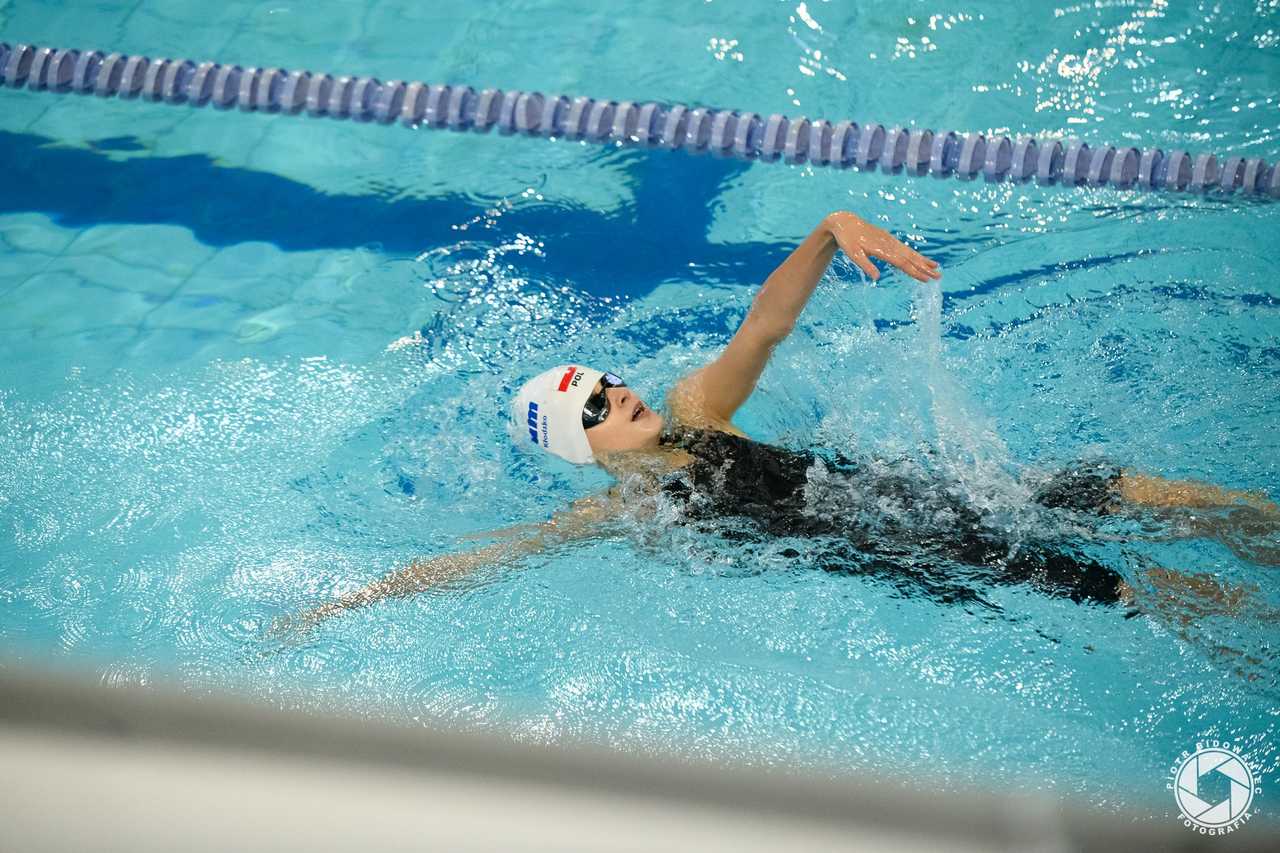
column 639, row 437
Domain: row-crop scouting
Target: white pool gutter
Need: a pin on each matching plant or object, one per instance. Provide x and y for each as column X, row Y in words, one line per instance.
column 89, row 767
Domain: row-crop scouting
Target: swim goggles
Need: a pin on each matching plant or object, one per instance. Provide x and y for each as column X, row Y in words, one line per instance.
column 596, row 409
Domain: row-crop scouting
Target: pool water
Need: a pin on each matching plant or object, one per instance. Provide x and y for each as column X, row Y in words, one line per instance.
column 248, row 363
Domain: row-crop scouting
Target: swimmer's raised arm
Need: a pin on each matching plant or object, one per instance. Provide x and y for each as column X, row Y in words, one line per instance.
column 580, row 521
column 712, row 394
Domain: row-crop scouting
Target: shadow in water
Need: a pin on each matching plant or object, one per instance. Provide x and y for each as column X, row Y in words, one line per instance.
column 626, row 253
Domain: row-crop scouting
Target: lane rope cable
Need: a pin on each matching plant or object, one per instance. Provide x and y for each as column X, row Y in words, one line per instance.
column 725, row 133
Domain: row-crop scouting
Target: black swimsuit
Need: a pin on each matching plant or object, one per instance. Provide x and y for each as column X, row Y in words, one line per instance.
column 881, row 520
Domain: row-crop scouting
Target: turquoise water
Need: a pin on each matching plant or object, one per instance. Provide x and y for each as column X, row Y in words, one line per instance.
column 250, row 362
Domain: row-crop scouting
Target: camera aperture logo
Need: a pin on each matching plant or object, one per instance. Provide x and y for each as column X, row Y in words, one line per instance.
column 1213, row 787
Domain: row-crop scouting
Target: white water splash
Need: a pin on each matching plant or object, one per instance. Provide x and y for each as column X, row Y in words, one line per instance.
column 968, row 446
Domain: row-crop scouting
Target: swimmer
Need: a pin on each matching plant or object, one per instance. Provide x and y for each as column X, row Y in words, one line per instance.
column 701, row 460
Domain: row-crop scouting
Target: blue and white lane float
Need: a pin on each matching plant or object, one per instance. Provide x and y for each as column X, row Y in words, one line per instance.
column 726, row 133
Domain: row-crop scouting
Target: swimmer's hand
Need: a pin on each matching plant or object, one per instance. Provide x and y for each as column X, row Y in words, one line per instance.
column 862, row 241
column 294, row 628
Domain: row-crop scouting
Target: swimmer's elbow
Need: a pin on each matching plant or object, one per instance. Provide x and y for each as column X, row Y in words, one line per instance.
column 578, row 522
column 765, row 328
column 581, row 521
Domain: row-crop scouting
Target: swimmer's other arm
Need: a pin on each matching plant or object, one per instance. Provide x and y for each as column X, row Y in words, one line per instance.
column 580, row 521
column 711, row 395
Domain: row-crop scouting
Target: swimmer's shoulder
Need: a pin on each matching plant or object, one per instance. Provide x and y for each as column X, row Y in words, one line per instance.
column 686, row 413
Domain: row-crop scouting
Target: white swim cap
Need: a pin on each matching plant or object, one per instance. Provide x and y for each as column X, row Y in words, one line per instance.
column 548, row 410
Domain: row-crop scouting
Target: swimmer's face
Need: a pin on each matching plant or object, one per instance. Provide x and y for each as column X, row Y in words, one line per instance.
column 631, row 425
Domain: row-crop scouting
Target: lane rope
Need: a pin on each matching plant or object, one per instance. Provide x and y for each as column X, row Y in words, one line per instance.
column 726, row 133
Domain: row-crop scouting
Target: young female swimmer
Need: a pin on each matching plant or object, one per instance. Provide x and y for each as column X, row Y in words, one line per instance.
column 715, row 471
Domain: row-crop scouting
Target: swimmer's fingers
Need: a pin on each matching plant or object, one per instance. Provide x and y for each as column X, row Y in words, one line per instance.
column 292, row 629
column 285, row 629
column 886, row 247
column 926, row 270
column 928, row 266
column 903, row 260
column 918, row 266
column 864, row 264
column 917, row 271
